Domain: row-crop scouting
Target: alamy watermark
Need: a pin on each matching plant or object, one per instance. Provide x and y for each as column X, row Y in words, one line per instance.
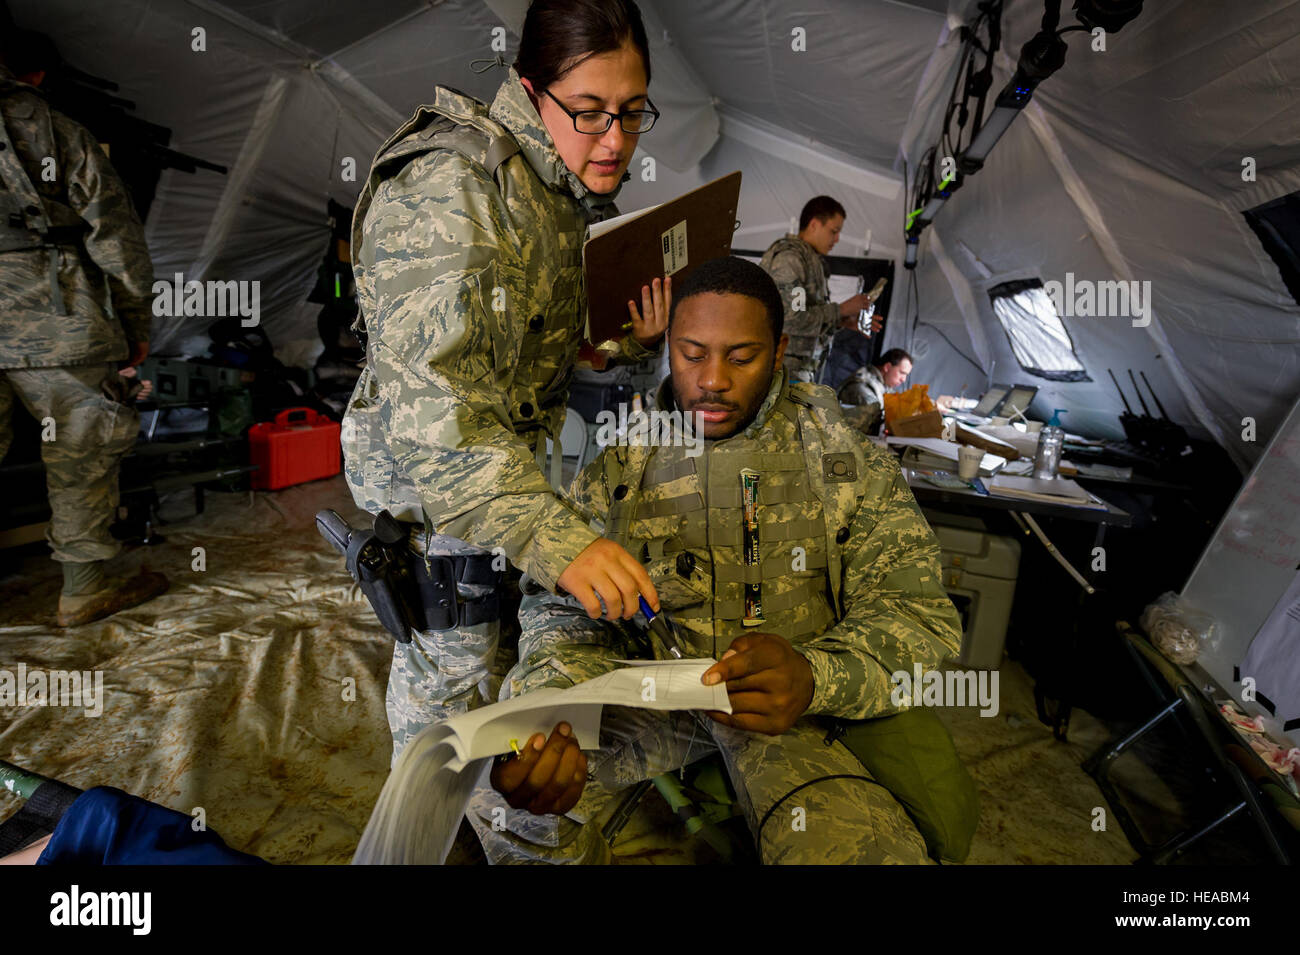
column 210, row 299
column 635, row 427
column 37, row 687
column 924, row 687
column 1085, row 298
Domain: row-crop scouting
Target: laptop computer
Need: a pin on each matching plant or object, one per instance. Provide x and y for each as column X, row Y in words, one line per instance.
column 1018, row 398
column 987, row 406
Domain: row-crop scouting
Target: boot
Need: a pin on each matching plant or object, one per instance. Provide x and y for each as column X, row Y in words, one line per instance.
column 118, row 593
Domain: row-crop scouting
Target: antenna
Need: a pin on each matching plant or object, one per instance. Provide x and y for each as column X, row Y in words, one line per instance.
column 1141, row 400
column 1153, row 396
column 1120, row 390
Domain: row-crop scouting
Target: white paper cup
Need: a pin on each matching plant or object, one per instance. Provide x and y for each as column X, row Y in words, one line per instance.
column 968, row 462
column 1033, row 427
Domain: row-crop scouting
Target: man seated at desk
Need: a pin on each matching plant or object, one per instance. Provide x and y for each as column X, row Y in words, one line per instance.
column 866, row 389
column 810, row 601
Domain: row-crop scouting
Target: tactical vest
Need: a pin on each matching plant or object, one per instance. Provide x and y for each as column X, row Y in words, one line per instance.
column 682, row 516
column 554, row 314
column 30, row 219
column 552, row 226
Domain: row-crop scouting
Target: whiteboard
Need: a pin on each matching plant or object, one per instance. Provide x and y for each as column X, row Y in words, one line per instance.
column 1252, row 557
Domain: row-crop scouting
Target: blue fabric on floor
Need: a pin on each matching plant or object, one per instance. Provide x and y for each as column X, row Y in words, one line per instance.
column 106, row 826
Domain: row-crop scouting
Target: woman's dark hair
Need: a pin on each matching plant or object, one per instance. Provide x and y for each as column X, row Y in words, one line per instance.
column 560, row 34
column 731, row 275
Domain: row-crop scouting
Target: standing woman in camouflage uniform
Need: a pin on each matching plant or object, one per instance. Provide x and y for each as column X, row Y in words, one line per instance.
column 467, row 250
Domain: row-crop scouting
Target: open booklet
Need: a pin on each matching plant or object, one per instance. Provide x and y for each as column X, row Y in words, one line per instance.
column 647, row 684
column 420, row 807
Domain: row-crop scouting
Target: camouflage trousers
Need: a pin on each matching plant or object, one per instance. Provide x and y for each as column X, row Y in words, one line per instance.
column 85, row 434
column 846, row 820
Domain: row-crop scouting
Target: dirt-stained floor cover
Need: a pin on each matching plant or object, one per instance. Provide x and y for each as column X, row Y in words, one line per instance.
column 254, row 690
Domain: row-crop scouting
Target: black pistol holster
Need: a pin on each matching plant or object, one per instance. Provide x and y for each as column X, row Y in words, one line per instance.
column 406, row 590
column 436, row 577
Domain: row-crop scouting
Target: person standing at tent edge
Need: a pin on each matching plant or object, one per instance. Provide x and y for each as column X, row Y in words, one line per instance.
column 75, row 280
column 467, row 250
column 796, row 265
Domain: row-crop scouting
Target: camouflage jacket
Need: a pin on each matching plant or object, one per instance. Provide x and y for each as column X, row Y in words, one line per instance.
column 467, row 251
column 865, row 390
column 878, row 571
column 796, row 265
column 865, row 387
column 75, row 274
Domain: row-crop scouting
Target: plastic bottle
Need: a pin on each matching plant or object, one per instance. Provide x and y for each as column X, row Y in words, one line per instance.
column 1047, row 460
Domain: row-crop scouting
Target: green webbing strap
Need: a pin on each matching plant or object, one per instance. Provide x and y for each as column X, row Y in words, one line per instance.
column 773, row 567
column 769, row 493
column 683, row 504
column 811, row 440
column 680, row 468
column 727, row 527
column 776, row 461
column 798, row 596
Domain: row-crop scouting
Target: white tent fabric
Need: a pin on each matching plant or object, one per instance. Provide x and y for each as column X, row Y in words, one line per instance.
column 1127, row 165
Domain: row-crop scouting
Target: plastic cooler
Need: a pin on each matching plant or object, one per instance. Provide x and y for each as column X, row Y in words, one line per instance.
column 298, row 446
column 979, row 573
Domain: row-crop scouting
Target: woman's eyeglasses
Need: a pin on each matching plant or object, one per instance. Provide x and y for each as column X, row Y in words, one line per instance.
column 593, row 122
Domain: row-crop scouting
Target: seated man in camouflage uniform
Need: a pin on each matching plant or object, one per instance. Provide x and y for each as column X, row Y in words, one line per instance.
column 840, row 589
column 865, row 390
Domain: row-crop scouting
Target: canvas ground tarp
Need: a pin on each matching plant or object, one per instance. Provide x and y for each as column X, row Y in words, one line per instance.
column 254, row 690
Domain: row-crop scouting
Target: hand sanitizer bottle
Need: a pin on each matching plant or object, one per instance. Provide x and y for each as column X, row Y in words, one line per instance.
column 1048, row 458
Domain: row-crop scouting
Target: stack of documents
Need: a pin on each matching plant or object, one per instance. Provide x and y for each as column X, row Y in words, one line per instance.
column 936, row 453
column 1053, row 491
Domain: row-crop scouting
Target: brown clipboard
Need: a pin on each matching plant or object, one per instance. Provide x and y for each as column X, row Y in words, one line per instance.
column 670, row 239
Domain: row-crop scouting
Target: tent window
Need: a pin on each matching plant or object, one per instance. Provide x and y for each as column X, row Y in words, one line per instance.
column 1038, row 339
column 1277, row 224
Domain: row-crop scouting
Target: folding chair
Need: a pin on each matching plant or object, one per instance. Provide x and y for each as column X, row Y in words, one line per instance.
column 1209, row 740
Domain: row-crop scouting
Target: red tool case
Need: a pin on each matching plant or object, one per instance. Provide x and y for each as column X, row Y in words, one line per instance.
column 298, row 446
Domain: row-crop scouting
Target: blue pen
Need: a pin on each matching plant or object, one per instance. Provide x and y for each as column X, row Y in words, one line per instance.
column 659, row 625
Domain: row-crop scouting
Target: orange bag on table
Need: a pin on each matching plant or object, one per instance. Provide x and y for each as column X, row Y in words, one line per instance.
column 908, row 404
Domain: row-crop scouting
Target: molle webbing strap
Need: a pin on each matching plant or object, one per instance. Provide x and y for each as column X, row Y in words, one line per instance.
column 771, row 568
column 726, row 527
column 803, row 594
column 769, row 493
column 670, row 471
column 682, row 504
